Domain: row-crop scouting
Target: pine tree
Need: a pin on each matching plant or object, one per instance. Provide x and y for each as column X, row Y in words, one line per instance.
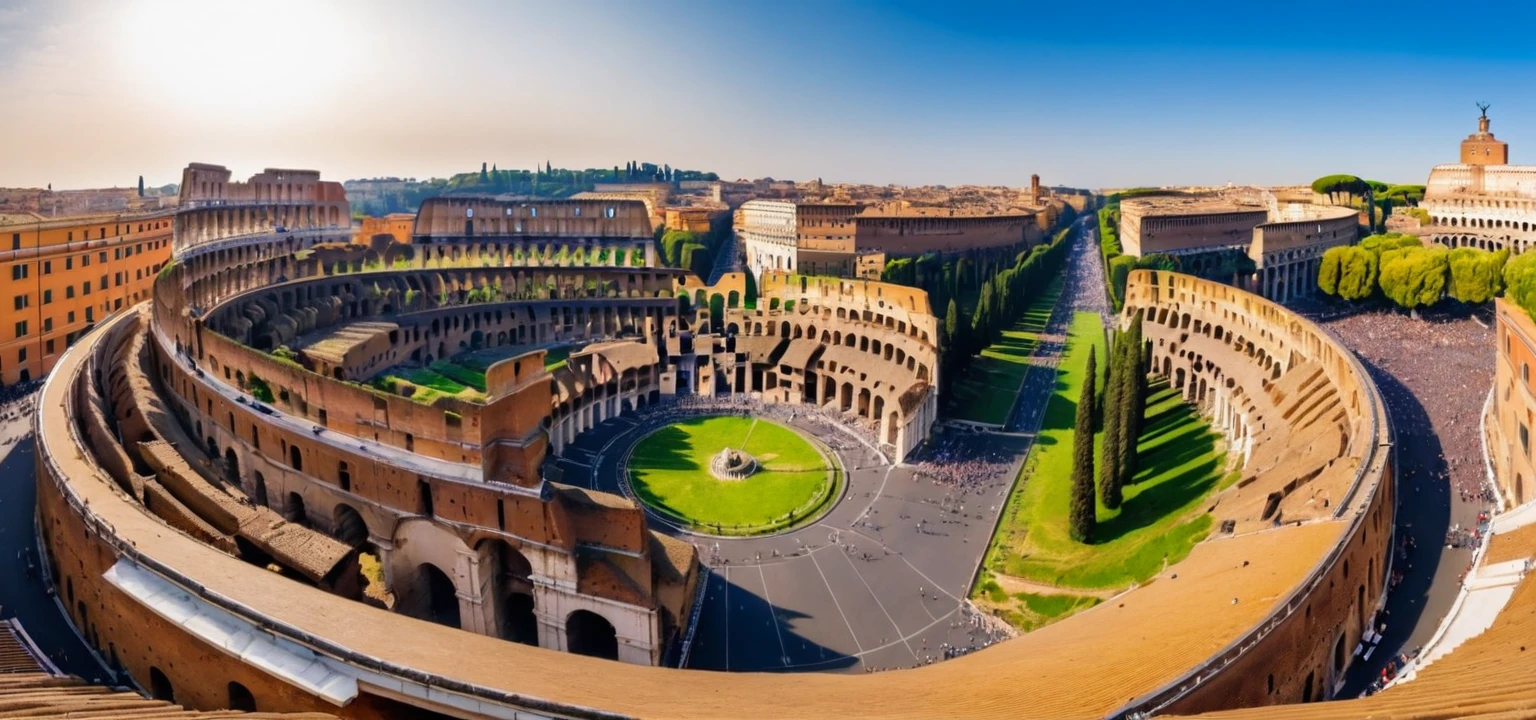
column 1083, row 515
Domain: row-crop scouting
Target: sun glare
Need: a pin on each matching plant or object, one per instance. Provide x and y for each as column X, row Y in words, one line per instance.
column 224, row 57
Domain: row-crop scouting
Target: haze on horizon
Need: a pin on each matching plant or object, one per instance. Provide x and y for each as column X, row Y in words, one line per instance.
column 901, row 92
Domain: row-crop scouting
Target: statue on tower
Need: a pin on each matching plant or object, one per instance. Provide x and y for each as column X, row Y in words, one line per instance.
column 1482, row 121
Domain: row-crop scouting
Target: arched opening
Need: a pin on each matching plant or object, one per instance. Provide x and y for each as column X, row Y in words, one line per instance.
column 231, row 466
column 514, row 594
column 348, row 526
column 160, row 686
column 261, row 489
column 587, row 633
column 294, row 510
column 442, row 600
column 1338, row 655
column 1306, row 689
column 240, row 698
column 295, row 458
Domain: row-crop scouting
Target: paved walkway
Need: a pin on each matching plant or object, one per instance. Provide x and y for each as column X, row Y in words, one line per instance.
column 1082, row 292
column 23, row 594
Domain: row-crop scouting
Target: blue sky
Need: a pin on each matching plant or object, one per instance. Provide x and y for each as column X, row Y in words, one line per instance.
column 1100, row 95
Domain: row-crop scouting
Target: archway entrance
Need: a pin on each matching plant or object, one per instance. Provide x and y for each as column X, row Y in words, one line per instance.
column 349, row 526
column 514, row 594
column 442, row 600
column 588, row 633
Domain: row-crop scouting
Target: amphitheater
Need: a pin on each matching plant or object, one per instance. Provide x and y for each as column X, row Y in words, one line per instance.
column 227, row 474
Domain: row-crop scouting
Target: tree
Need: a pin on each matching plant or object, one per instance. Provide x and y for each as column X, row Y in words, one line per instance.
column 484, row 179
column 1328, row 269
column 1357, row 273
column 1335, row 185
column 1109, row 469
column 1084, row 517
column 1414, row 277
column 1520, row 281
column 141, row 186
column 1133, row 398
column 1475, row 275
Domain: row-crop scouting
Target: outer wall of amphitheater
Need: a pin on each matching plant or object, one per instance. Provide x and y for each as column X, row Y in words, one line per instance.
column 142, row 641
column 1302, row 658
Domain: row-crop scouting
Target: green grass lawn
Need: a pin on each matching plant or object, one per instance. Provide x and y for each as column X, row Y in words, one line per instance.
column 1162, row 517
column 669, row 470
column 986, row 391
column 431, row 384
column 555, row 358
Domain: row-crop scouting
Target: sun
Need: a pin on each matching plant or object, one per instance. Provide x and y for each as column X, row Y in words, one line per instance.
column 221, row 58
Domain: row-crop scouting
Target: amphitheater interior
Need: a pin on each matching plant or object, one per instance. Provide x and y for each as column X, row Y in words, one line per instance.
column 259, row 478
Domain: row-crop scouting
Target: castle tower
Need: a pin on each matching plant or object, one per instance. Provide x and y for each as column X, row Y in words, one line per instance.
column 1482, row 148
column 1034, row 190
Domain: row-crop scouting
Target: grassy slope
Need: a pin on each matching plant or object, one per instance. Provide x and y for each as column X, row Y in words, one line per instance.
column 1161, row 518
column 985, row 393
column 670, row 469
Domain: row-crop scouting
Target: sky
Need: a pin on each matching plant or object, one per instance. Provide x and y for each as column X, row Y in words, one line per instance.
column 1104, row 94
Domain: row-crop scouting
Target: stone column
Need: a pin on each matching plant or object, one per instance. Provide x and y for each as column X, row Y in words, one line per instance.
column 474, row 573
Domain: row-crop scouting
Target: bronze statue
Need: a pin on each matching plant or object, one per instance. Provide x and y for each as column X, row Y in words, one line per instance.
column 1484, row 107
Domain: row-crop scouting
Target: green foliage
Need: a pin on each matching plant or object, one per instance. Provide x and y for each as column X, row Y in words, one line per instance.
column 1476, row 276
column 1331, row 185
column 1377, row 187
column 684, row 303
column 1083, row 509
column 1381, row 243
column 1520, row 281
column 1406, row 194
column 1357, row 273
column 259, row 388
column 1328, row 270
column 716, row 311
column 1414, row 277
column 286, row 354
column 750, row 284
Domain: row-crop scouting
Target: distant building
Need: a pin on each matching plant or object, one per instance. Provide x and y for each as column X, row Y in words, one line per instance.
column 396, row 225
column 1483, row 201
column 1513, row 412
column 803, row 238
column 1207, row 231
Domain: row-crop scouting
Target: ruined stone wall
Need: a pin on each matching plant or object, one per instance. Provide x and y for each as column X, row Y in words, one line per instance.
column 1301, row 652
column 898, row 235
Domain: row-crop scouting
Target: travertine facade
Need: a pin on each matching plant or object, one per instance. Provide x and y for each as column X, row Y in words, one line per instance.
column 1256, row 615
column 1285, row 242
column 1512, row 414
column 1482, row 202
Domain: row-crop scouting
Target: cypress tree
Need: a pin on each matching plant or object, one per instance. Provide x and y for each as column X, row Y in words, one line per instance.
column 1083, row 517
column 1109, row 473
column 1134, row 402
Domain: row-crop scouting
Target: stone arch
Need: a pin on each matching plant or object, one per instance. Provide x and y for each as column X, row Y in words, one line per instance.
column 160, row 686
column 437, row 599
column 260, row 492
column 348, row 526
column 587, row 633
column 231, row 466
column 514, row 592
column 240, row 698
column 295, row 511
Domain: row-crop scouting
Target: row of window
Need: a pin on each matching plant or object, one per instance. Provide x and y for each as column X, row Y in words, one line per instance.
column 21, row 271
column 24, row 326
column 102, row 234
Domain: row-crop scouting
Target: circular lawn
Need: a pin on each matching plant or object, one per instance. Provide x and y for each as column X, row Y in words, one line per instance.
column 669, row 471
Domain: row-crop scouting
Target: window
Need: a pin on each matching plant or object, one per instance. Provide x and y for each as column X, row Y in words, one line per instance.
column 21, row 302
column 21, row 329
column 47, row 296
column 69, row 263
column 69, row 291
column 85, row 287
column 85, row 260
column 1525, row 437
column 71, row 315
column 103, row 284
column 1525, row 368
column 103, row 257
column 48, row 325
column 90, row 314
column 19, row 272
column 50, row 347
column 21, row 355
column 15, row 241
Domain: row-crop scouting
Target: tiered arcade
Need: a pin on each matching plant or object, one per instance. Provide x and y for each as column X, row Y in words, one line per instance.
column 200, row 538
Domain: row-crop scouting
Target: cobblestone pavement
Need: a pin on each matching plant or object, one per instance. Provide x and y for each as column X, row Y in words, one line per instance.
column 1434, row 374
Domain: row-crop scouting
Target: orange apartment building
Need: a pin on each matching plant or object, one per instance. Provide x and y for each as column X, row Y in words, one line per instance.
column 398, row 225
column 61, row 276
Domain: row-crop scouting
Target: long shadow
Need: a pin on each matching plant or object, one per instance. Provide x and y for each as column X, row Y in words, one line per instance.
column 1423, row 513
column 22, row 592
column 741, row 632
column 1155, row 502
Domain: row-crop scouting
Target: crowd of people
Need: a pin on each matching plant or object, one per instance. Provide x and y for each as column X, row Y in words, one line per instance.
column 961, row 460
